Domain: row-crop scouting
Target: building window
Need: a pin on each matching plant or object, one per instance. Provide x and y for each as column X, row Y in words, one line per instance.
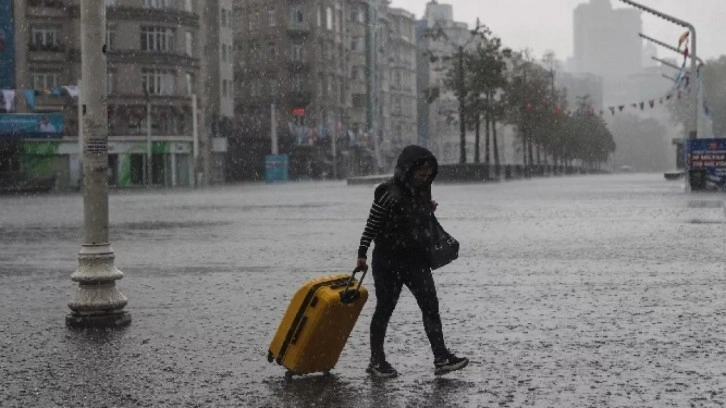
column 329, row 18
column 271, row 20
column 297, row 15
column 110, row 3
column 297, row 83
column 320, row 15
column 111, row 82
column 44, row 80
column 273, row 85
column 44, row 37
column 157, row 4
column 159, row 39
column 224, row 88
column 191, row 84
column 359, row 101
column 255, row 87
column 189, row 44
column 224, row 18
column 353, row 72
column 158, row 81
column 272, row 47
column 189, row 6
column 110, row 37
column 297, row 52
column 354, row 43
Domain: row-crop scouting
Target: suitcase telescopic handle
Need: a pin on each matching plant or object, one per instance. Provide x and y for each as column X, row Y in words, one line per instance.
column 350, row 295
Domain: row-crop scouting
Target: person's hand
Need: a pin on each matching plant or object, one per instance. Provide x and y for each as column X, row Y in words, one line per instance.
column 434, row 205
column 361, row 264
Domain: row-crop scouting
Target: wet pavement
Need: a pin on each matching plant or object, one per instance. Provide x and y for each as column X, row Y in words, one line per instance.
column 603, row 291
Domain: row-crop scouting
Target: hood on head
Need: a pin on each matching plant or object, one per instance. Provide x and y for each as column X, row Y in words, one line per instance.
column 411, row 157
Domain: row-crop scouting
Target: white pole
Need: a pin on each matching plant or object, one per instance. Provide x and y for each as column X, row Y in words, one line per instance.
column 97, row 302
column 149, row 170
column 333, row 137
column 697, row 100
column 80, row 135
column 195, row 140
column 173, row 169
column 273, row 129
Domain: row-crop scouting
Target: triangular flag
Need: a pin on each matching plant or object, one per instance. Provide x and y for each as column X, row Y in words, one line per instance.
column 634, row 105
column 651, row 103
column 612, row 109
column 668, row 97
column 621, row 107
column 660, row 101
column 642, row 105
column 683, row 38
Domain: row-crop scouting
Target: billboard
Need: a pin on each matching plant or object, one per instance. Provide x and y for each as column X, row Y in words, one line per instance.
column 7, row 45
column 706, row 163
column 31, row 125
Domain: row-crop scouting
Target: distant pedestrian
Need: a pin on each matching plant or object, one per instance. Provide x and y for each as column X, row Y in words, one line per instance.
column 400, row 225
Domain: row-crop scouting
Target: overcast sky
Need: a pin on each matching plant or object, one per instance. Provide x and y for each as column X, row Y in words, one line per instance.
column 542, row 25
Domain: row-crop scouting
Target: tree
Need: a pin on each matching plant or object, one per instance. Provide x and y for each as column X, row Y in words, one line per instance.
column 527, row 102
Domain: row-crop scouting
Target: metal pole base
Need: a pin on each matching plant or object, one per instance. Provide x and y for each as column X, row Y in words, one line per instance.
column 110, row 320
column 97, row 302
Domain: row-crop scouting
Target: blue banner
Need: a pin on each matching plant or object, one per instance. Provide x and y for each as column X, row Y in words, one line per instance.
column 7, row 45
column 30, row 125
column 709, row 156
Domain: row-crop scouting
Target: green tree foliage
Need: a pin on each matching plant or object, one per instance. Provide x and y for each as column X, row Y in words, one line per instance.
column 498, row 84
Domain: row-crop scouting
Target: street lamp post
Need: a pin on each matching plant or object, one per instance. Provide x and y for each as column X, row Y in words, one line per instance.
column 462, row 96
column 97, row 302
column 697, row 96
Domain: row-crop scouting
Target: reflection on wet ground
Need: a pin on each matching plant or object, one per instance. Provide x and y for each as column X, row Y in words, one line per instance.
column 569, row 292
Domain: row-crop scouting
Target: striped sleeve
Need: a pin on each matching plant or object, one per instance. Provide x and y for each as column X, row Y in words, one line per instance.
column 380, row 211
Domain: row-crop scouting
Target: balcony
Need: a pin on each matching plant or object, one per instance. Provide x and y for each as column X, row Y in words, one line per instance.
column 46, row 47
column 298, row 28
column 59, row 4
column 300, row 97
column 298, row 66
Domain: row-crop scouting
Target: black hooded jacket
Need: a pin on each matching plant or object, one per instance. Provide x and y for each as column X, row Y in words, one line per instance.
column 400, row 218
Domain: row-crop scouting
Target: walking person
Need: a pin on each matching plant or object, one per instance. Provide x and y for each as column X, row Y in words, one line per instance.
column 400, row 225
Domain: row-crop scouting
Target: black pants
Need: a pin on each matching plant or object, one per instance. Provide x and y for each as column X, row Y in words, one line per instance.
column 390, row 273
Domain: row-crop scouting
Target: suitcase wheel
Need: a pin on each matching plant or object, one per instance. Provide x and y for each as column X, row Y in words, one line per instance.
column 289, row 374
column 270, row 357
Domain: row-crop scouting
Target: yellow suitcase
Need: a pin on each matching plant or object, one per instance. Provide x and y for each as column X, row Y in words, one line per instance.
column 317, row 324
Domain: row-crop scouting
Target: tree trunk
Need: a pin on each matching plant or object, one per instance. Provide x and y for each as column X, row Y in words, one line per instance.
column 496, row 145
column 487, row 121
column 530, row 149
column 477, row 137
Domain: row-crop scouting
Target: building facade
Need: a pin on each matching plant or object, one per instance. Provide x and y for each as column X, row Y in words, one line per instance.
column 156, row 58
column 606, row 41
column 438, row 37
column 401, row 126
column 327, row 67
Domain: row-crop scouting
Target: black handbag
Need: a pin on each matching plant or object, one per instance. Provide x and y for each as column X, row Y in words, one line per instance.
column 444, row 248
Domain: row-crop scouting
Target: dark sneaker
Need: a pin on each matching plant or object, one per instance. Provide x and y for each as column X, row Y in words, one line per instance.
column 381, row 370
column 449, row 363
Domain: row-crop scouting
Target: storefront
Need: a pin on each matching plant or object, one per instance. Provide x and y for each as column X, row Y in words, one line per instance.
column 171, row 162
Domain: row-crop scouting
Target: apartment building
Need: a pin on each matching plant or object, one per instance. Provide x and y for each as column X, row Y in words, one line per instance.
column 169, row 56
column 327, row 67
column 290, row 54
column 402, row 78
